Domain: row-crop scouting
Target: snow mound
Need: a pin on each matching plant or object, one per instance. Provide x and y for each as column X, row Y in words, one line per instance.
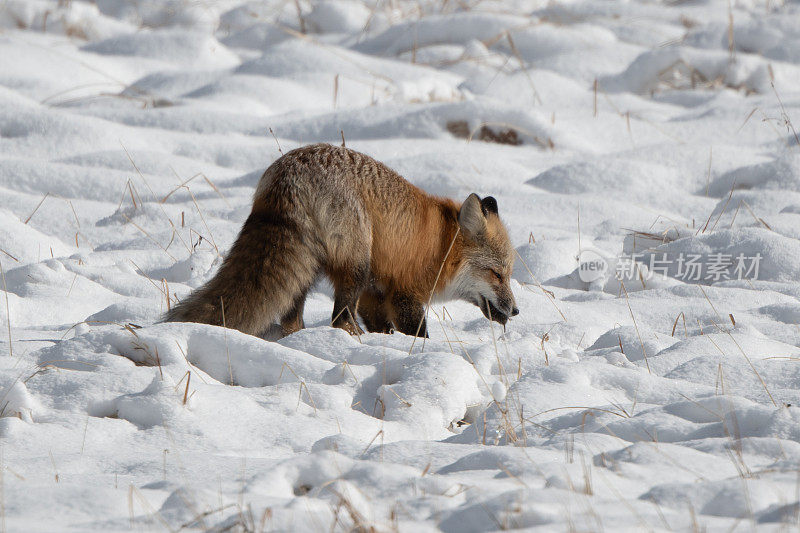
column 617, row 137
column 782, row 173
column 685, row 68
column 20, row 243
column 758, row 253
column 173, row 46
column 452, row 28
column 338, row 17
column 162, row 14
column 81, row 20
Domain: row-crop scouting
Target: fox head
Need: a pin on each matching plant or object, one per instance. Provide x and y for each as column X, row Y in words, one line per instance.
column 487, row 261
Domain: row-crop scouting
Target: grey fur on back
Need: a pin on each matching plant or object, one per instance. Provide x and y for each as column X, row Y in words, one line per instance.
column 308, row 215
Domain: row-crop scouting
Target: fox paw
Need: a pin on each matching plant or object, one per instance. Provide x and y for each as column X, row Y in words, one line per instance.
column 349, row 327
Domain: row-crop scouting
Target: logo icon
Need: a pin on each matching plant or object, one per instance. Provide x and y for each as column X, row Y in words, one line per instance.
column 591, row 266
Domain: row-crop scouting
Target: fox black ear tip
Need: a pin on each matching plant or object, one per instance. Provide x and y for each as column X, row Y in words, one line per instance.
column 489, row 204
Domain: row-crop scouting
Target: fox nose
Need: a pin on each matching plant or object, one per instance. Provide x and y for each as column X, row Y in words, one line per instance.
column 514, row 311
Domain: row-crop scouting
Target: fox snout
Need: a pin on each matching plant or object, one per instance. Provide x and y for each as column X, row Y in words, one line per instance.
column 500, row 313
column 509, row 306
column 505, row 301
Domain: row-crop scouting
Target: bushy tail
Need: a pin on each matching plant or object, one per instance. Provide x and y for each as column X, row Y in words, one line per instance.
column 268, row 268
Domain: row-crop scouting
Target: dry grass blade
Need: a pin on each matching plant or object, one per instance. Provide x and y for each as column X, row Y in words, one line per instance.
column 588, row 408
column 444, row 331
column 127, row 189
column 186, row 391
column 735, row 214
column 8, row 311
column 731, row 44
column 149, row 509
column 216, row 190
column 722, row 212
column 176, row 189
column 78, row 222
column 55, row 470
column 500, row 367
column 739, row 347
column 9, row 255
column 685, row 332
column 153, row 283
column 177, row 233
column 518, row 56
column 353, row 323
column 198, row 519
column 662, row 238
column 757, row 219
column 369, row 444
column 747, row 118
column 430, row 296
column 308, row 393
column 166, row 293
column 787, row 121
column 37, row 207
column 336, row 97
column 549, row 295
column 53, row 96
column 211, row 236
column 346, row 366
column 225, row 333
column 351, row 319
column 189, row 363
column 636, row 326
column 403, row 400
column 276, row 141
column 74, row 278
column 137, row 226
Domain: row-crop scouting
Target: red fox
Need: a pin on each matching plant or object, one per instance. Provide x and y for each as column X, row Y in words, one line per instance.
column 386, row 245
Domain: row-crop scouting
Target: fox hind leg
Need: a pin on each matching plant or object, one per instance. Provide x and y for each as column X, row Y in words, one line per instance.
column 348, row 284
column 293, row 320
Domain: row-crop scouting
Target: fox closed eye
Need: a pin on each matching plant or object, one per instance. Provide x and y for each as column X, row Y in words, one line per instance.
column 496, row 274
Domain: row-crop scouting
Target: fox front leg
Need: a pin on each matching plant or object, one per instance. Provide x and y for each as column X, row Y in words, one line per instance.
column 408, row 315
column 372, row 309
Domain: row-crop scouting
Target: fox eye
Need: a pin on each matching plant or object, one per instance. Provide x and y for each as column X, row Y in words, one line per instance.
column 497, row 274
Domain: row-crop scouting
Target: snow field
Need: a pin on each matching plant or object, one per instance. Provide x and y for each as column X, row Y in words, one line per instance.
column 132, row 135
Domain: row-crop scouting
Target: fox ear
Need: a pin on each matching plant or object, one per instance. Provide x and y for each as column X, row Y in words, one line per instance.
column 471, row 218
column 489, row 205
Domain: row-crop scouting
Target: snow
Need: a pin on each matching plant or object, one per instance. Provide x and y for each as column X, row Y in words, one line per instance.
column 133, row 134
